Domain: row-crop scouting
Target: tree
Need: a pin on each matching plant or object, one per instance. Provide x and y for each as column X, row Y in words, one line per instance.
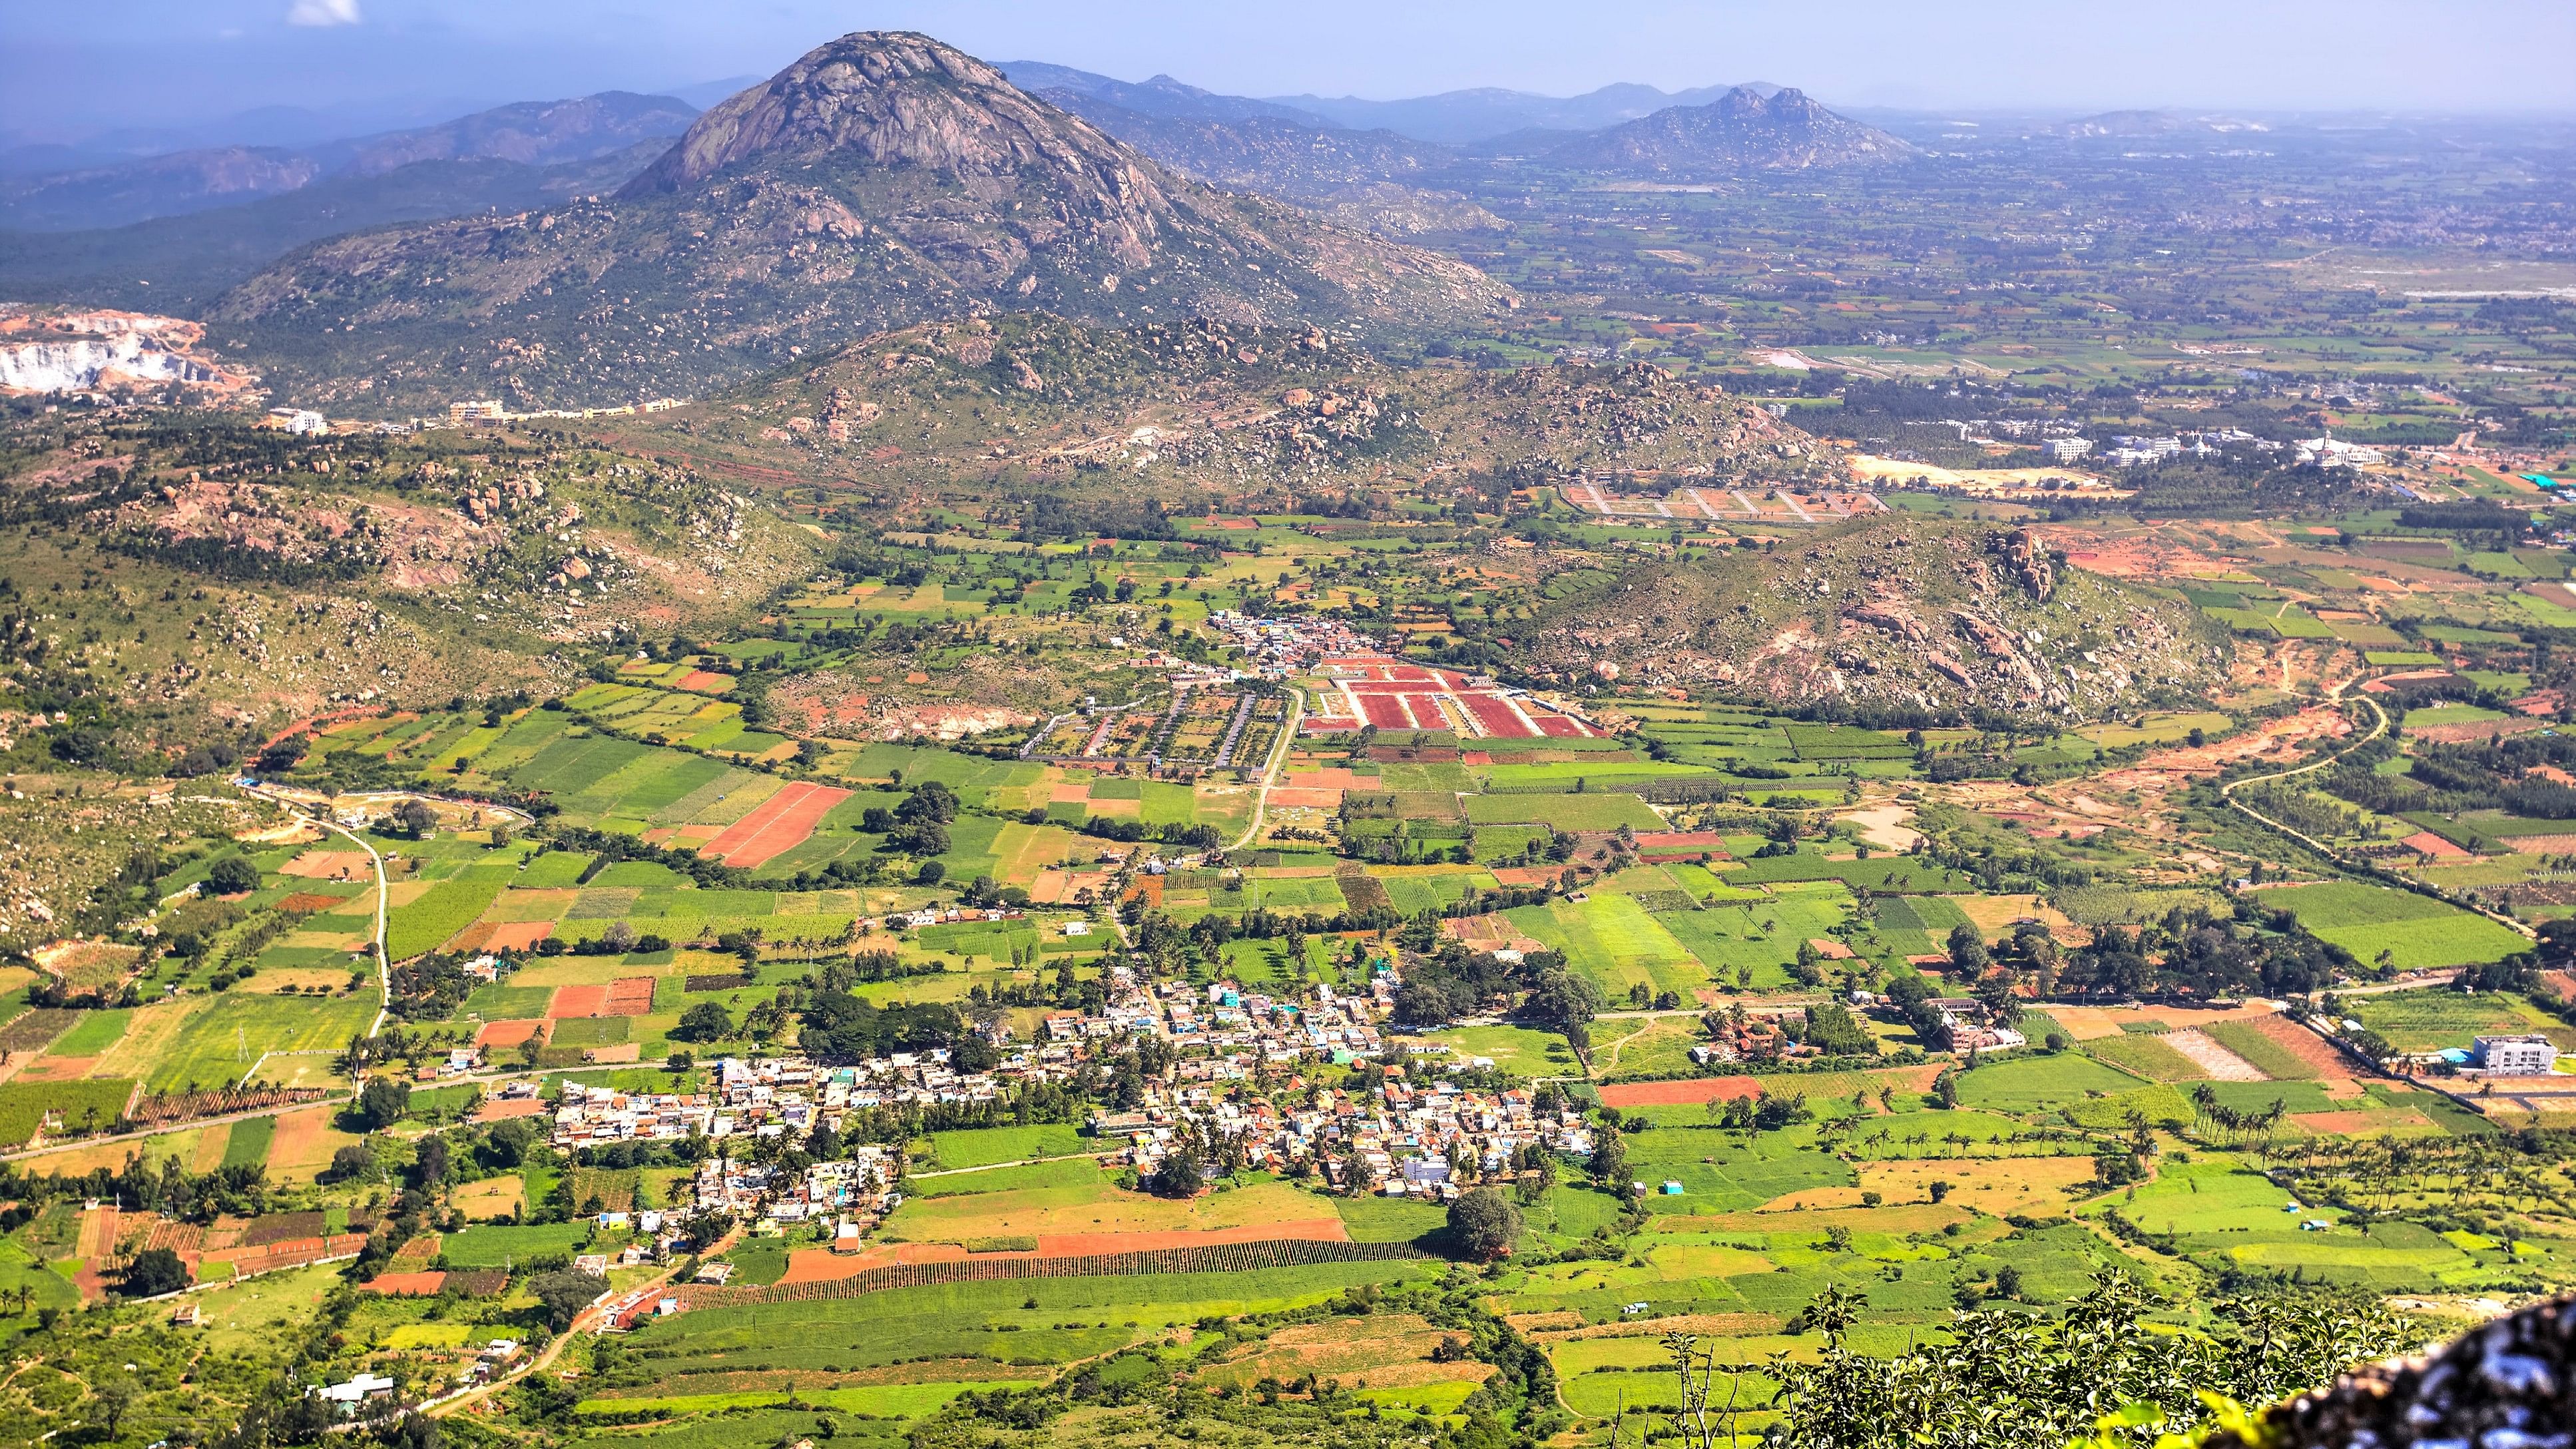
column 1610, row 1157
column 353, row 1161
column 115, row 1394
column 231, row 876
column 2007, row 1282
column 1180, row 1174
column 563, row 1294
column 1483, row 1225
column 704, row 1021
column 153, row 1272
column 382, row 1103
column 416, row 818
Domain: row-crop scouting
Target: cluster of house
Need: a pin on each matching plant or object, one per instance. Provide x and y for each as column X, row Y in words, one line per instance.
column 1280, row 647
column 1239, row 1028
column 1410, row 1138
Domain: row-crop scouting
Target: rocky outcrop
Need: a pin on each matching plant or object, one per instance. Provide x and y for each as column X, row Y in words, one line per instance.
column 2509, row 1383
column 1739, row 133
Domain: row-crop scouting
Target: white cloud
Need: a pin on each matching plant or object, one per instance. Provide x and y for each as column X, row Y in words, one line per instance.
column 322, row 12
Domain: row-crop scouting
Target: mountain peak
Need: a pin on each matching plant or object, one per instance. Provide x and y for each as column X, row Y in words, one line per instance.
column 891, row 97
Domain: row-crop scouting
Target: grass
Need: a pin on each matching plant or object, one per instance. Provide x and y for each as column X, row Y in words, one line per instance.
column 249, row 1142
column 2431, row 1020
column 226, row 1039
column 2266, row 1055
column 2037, row 1083
column 23, row 1105
column 496, row 1247
column 93, row 1034
column 985, row 1146
column 2398, row 928
column 445, row 909
column 1589, row 811
column 1519, row 1050
column 1612, row 940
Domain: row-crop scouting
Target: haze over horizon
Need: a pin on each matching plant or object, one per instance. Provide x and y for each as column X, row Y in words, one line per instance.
column 73, row 71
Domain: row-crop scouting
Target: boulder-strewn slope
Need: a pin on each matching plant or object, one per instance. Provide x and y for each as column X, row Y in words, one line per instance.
column 1189, row 411
column 1742, row 131
column 1895, row 613
column 880, row 180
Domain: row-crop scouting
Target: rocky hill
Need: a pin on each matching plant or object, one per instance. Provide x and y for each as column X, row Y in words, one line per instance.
column 880, row 180
column 1892, row 615
column 1740, row 132
column 1196, row 413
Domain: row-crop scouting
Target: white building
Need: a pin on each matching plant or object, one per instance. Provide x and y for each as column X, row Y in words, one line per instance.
column 2515, row 1056
column 2065, row 450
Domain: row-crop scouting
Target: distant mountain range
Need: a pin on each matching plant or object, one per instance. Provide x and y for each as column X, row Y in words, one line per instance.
column 530, row 133
column 1465, row 117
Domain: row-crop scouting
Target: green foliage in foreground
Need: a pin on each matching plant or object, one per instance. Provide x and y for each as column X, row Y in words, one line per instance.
column 2011, row 1380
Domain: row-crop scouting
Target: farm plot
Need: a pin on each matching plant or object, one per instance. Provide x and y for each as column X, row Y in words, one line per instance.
column 1603, row 811
column 2432, row 1020
column 1612, row 940
column 2396, row 928
column 428, row 921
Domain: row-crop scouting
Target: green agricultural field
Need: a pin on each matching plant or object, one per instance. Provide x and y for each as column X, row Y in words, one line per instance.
column 1898, row 874
column 986, row 1146
column 79, row 1106
column 1565, row 812
column 497, row 1247
column 239, row 1032
column 445, row 909
column 2435, row 1019
column 2037, row 1083
column 1612, row 940
column 2398, row 928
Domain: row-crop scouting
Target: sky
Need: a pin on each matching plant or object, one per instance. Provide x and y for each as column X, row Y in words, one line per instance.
column 69, row 69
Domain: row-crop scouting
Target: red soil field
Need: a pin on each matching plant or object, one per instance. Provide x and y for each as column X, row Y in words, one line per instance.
column 509, row 1033
column 578, row 1001
column 705, row 681
column 305, row 903
column 782, row 822
column 518, row 935
column 1385, row 711
column 1497, row 716
column 629, row 996
column 2303, row 1044
column 1680, row 1094
column 406, row 1285
column 330, row 865
column 1559, row 726
column 496, row 1109
column 1425, row 709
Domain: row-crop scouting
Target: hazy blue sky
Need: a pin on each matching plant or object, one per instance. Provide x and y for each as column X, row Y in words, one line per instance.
column 78, row 65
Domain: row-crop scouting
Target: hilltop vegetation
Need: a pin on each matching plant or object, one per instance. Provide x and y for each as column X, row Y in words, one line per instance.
column 1202, row 413
column 1893, row 615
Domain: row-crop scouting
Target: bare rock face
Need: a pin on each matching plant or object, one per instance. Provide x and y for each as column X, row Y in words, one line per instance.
column 2508, row 1385
column 883, row 180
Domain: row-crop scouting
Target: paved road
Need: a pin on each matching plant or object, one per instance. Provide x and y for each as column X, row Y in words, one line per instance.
column 1270, row 768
